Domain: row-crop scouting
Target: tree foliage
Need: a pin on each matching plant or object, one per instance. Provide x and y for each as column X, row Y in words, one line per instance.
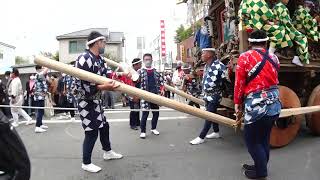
column 182, row 34
column 21, row 60
column 198, row 25
column 50, row 55
column 47, row 54
column 111, row 57
column 56, row 56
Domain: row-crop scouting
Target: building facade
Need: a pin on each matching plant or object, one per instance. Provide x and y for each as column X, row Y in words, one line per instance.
column 196, row 11
column 71, row 45
column 186, row 51
column 7, row 57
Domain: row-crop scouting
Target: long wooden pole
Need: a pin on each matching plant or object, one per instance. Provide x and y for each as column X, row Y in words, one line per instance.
column 150, row 97
column 134, row 74
column 225, row 102
column 113, row 63
column 185, row 95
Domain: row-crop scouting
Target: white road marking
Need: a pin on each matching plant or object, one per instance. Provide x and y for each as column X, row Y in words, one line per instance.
column 109, row 120
column 307, row 166
column 66, row 130
column 118, row 112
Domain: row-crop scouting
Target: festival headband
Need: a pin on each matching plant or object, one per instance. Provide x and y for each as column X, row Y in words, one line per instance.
column 95, row 40
column 258, row 40
column 137, row 62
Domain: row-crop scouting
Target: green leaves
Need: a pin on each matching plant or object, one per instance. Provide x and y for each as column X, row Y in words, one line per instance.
column 183, row 34
column 21, row 60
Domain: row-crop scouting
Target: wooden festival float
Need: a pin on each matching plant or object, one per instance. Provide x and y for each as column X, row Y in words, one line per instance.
column 299, row 86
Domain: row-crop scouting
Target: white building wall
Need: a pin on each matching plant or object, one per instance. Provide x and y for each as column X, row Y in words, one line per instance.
column 8, row 59
column 64, row 55
column 114, row 49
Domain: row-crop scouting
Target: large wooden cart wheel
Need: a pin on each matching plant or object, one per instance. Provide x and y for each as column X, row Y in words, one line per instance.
column 313, row 120
column 285, row 129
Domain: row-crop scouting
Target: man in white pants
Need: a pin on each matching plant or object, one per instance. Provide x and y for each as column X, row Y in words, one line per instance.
column 16, row 98
column 177, row 81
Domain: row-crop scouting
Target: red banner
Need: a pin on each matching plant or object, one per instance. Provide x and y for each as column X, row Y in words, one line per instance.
column 163, row 39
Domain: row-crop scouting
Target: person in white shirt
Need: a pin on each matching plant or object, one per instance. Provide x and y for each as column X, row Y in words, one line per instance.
column 16, row 99
column 177, row 81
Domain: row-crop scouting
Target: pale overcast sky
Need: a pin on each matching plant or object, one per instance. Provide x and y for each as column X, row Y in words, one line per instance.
column 32, row 25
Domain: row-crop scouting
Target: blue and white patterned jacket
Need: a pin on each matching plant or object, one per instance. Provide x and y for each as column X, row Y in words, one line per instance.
column 70, row 83
column 144, row 84
column 213, row 79
column 260, row 104
column 89, row 62
column 193, row 87
column 40, row 87
column 90, row 103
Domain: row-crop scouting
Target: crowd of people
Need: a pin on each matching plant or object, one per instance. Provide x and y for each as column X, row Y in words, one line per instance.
column 13, row 95
column 41, row 90
column 255, row 95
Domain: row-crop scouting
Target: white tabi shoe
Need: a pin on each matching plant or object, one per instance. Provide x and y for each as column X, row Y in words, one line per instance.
column 143, row 135
column 109, row 155
column 39, row 130
column 272, row 50
column 29, row 122
column 44, row 127
column 296, row 61
column 213, row 136
column 15, row 124
column 73, row 119
column 197, row 141
column 155, row 132
column 91, row 168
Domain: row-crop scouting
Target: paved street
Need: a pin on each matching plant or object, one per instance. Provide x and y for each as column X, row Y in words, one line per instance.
column 56, row 154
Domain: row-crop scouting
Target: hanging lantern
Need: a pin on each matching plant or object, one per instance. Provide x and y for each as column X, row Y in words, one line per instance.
column 209, row 24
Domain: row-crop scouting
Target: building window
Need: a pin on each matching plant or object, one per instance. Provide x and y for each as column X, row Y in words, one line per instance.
column 77, row 46
column 189, row 52
column 1, row 55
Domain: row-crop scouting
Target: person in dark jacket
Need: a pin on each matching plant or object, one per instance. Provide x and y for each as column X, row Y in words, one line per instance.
column 30, row 92
column 6, row 82
column 90, row 108
column 14, row 159
column 150, row 80
column 3, row 94
column 62, row 93
column 134, row 101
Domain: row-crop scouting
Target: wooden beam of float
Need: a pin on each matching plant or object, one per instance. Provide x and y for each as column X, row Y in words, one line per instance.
column 284, row 112
column 298, row 111
column 94, row 78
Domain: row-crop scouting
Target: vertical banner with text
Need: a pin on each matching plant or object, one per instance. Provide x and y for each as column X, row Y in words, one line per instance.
column 163, row 40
